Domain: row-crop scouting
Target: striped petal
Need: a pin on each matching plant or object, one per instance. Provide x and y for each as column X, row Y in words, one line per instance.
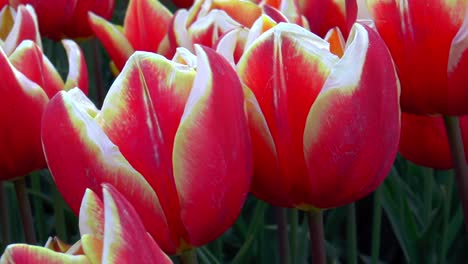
column 91, row 217
column 78, row 26
column 285, row 68
column 93, row 248
column 78, row 71
column 289, row 8
column 424, row 140
column 419, row 35
column 352, row 130
column 140, row 27
column 7, row 19
column 68, row 124
column 150, row 94
column 25, row 27
column 212, row 152
column 242, row 11
column 113, row 40
column 207, row 29
column 324, row 15
column 125, row 239
column 21, row 253
column 29, row 60
column 22, row 104
column 231, row 44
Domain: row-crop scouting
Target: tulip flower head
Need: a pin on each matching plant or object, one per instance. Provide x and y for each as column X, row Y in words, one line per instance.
column 324, row 130
column 71, row 20
column 428, row 42
column 171, row 138
column 111, row 232
column 28, row 81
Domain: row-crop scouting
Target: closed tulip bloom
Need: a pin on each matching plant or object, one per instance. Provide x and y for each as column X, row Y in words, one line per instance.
column 71, row 20
column 173, row 140
column 111, row 232
column 324, row 130
column 424, row 140
column 428, row 42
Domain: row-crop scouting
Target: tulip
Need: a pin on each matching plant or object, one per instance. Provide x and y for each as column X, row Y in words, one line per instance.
column 29, row 79
column 111, row 232
column 324, row 15
column 140, row 31
column 324, row 130
column 424, row 140
column 71, row 20
column 173, row 140
column 183, row 3
column 434, row 84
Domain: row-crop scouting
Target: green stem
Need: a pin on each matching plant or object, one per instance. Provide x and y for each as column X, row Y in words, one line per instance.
column 4, row 217
column 282, row 232
column 428, row 186
column 452, row 125
column 98, row 72
column 59, row 215
column 317, row 236
column 38, row 208
column 189, row 257
column 294, row 221
column 446, row 216
column 351, row 234
column 25, row 210
column 376, row 224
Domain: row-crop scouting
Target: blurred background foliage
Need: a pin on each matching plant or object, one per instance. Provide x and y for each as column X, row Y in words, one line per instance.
column 414, row 217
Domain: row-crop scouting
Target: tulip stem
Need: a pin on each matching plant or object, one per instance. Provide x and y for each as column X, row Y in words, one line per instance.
column 317, row 236
column 294, row 221
column 428, row 186
column 376, row 225
column 5, row 223
column 351, row 234
column 452, row 125
column 25, row 210
column 283, row 238
column 189, row 257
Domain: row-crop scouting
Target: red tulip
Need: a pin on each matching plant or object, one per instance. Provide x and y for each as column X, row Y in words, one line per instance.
column 428, row 43
column 111, row 232
column 324, row 130
column 324, row 15
column 145, row 28
column 28, row 80
column 71, row 19
column 173, row 140
column 183, row 3
column 424, row 140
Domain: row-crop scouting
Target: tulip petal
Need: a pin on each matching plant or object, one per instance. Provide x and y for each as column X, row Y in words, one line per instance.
column 324, row 15
column 207, row 29
column 411, row 35
column 77, row 72
column 25, row 27
column 242, row 11
column 93, row 248
column 78, row 26
column 150, row 94
column 355, row 116
column 29, row 60
column 23, row 103
column 146, row 24
column 178, row 34
column 285, row 68
column 6, row 21
column 67, row 123
column 124, row 234
column 336, row 40
column 231, row 44
column 457, row 92
column 212, row 152
column 21, row 253
column 113, row 40
column 91, row 217
column 424, row 141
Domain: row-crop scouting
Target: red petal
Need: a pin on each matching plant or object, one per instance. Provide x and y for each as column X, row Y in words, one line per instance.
column 22, row 104
column 67, row 124
column 77, row 72
column 91, row 217
column 146, row 24
column 24, row 28
column 352, row 130
column 116, row 44
column 421, row 55
column 78, row 27
column 212, row 152
column 125, row 236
